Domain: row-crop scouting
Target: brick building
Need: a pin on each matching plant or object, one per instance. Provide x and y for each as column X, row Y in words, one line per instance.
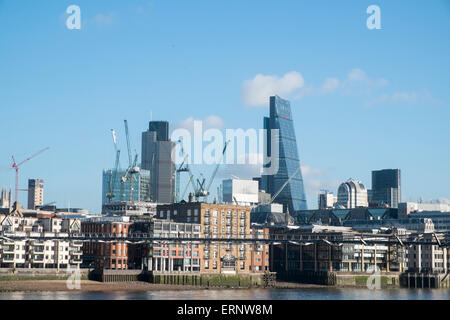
column 113, row 255
column 218, row 221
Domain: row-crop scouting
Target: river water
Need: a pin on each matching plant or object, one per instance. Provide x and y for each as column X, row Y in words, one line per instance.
column 241, row 294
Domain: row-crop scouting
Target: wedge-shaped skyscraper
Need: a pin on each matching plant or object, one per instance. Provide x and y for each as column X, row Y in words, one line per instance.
column 293, row 194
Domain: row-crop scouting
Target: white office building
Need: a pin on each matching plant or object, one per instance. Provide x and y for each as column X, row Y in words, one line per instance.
column 352, row 194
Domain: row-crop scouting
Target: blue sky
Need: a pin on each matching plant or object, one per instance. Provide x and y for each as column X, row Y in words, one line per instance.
column 361, row 99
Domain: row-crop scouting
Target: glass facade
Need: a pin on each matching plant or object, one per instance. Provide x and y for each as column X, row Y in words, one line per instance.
column 386, row 187
column 293, row 195
column 140, row 186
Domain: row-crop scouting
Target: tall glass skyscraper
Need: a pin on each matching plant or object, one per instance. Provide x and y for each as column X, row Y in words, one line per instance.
column 293, row 195
column 386, row 187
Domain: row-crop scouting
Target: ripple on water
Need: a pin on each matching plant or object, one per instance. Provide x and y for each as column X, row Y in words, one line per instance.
column 252, row 294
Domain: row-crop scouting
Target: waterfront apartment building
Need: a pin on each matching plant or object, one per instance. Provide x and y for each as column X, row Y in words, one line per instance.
column 45, row 252
column 35, row 193
column 316, row 253
column 293, row 194
column 386, row 187
column 103, row 255
column 352, row 194
column 157, row 158
column 218, row 221
column 428, row 258
column 166, row 255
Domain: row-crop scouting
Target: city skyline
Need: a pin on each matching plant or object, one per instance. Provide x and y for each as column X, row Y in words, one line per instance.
column 370, row 100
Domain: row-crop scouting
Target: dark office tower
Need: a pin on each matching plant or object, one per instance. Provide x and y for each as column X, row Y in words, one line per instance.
column 386, row 187
column 293, row 194
column 157, row 158
column 161, row 128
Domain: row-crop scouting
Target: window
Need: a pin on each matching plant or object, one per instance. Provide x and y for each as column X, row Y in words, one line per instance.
column 196, row 212
column 189, row 212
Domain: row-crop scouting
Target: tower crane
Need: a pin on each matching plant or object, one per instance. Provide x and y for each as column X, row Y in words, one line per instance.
column 132, row 169
column 113, row 177
column 16, row 167
column 184, row 167
column 281, row 189
column 284, row 185
column 203, row 192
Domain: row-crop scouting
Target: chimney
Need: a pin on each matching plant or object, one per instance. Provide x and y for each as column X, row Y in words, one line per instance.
column 191, row 197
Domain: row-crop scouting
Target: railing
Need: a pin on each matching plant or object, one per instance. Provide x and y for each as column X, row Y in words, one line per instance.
column 8, row 259
column 76, row 260
column 366, row 239
column 38, row 259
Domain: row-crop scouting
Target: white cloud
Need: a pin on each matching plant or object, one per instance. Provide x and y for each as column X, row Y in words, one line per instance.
column 358, row 81
column 210, row 122
column 404, row 98
column 330, row 84
column 308, row 171
column 256, row 92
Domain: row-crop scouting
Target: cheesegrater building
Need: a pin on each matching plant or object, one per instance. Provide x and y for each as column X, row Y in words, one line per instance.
column 292, row 197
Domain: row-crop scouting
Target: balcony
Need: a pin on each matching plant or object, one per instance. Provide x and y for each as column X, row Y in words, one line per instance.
column 75, row 261
column 76, row 252
column 37, row 259
column 8, row 250
column 8, row 259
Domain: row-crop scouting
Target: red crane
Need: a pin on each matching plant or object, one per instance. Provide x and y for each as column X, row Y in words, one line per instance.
column 16, row 166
